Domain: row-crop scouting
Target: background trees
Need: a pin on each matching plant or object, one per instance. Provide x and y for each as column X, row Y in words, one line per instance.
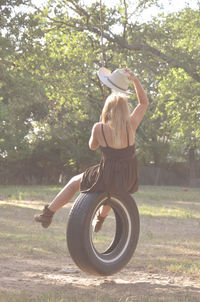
column 51, row 96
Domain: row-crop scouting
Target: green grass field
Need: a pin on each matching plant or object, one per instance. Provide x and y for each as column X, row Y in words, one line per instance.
column 35, row 264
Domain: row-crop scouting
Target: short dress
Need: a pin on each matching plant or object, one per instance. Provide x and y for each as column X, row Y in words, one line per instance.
column 116, row 173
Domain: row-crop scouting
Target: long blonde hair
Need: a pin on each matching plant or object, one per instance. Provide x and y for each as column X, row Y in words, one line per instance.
column 116, row 114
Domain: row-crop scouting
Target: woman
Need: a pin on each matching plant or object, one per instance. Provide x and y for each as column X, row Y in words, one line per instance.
column 115, row 134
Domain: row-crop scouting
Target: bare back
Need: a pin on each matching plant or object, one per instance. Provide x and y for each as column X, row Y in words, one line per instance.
column 127, row 134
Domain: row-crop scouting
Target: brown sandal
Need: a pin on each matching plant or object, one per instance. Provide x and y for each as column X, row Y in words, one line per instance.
column 98, row 223
column 45, row 218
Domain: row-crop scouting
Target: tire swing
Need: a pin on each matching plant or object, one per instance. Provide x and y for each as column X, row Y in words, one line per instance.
column 79, row 234
column 123, row 225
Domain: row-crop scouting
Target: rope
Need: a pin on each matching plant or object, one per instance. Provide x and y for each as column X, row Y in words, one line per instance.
column 101, row 29
column 101, row 44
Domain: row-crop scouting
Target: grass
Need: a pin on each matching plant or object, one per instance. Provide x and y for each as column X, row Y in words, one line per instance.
column 166, row 211
column 169, row 246
column 28, row 192
column 59, row 298
column 51, row 298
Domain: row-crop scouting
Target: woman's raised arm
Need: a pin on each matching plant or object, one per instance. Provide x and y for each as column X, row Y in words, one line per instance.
column 138, row 113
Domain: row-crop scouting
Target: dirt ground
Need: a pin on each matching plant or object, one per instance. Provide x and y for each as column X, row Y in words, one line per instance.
column 35, row 263
column 35, row 277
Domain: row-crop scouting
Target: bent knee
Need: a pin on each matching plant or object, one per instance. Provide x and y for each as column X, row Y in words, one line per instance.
column 75, row 182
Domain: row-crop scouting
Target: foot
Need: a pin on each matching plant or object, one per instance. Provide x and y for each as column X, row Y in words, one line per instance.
column 98, row 223
column 45, row 218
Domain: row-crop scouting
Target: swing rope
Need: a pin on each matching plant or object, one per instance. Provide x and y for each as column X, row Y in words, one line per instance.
column 101, row 44
column 101, row 29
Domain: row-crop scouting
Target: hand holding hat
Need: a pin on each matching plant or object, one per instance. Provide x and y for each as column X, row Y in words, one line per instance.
column 118, row 80
column 132, row 76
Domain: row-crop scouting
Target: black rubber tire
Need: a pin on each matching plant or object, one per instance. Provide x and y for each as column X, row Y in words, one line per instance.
column 79, row 231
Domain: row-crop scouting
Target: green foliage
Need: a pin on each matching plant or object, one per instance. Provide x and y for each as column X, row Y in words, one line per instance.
column 178, row 105
column 50, row 95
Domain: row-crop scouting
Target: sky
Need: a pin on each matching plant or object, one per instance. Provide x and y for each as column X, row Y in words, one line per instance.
column 168, row 6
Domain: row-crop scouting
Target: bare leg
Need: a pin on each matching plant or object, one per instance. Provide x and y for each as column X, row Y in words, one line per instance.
column 103, row 211
column 66, row 194
column 101, row 215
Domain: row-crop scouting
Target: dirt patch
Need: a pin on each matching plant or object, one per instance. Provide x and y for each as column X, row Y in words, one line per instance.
column 165, row 267
column 36, row 277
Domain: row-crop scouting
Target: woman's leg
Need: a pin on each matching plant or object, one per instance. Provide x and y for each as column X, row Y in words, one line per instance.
column 103, row 212
column 63, row 197
column 101, row 215
column 66, row 194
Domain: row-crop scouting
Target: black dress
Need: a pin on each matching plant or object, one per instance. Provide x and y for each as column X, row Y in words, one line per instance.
column 116, row 173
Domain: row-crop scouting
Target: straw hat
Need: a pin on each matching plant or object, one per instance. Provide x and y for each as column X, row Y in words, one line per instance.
column 118, row 80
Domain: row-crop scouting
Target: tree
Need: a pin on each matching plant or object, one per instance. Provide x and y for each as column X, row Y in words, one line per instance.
column 51, row 95
column 153, row 49
column 21, row 96
column 150, row 40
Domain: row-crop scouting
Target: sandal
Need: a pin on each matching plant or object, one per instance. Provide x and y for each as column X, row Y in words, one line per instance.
column 45, row 218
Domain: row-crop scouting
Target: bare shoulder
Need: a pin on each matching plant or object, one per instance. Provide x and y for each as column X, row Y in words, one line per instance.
column 94, row 141
column 96, row 127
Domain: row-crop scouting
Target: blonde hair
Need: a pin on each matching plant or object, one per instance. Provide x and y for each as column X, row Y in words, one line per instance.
column 116, row 114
